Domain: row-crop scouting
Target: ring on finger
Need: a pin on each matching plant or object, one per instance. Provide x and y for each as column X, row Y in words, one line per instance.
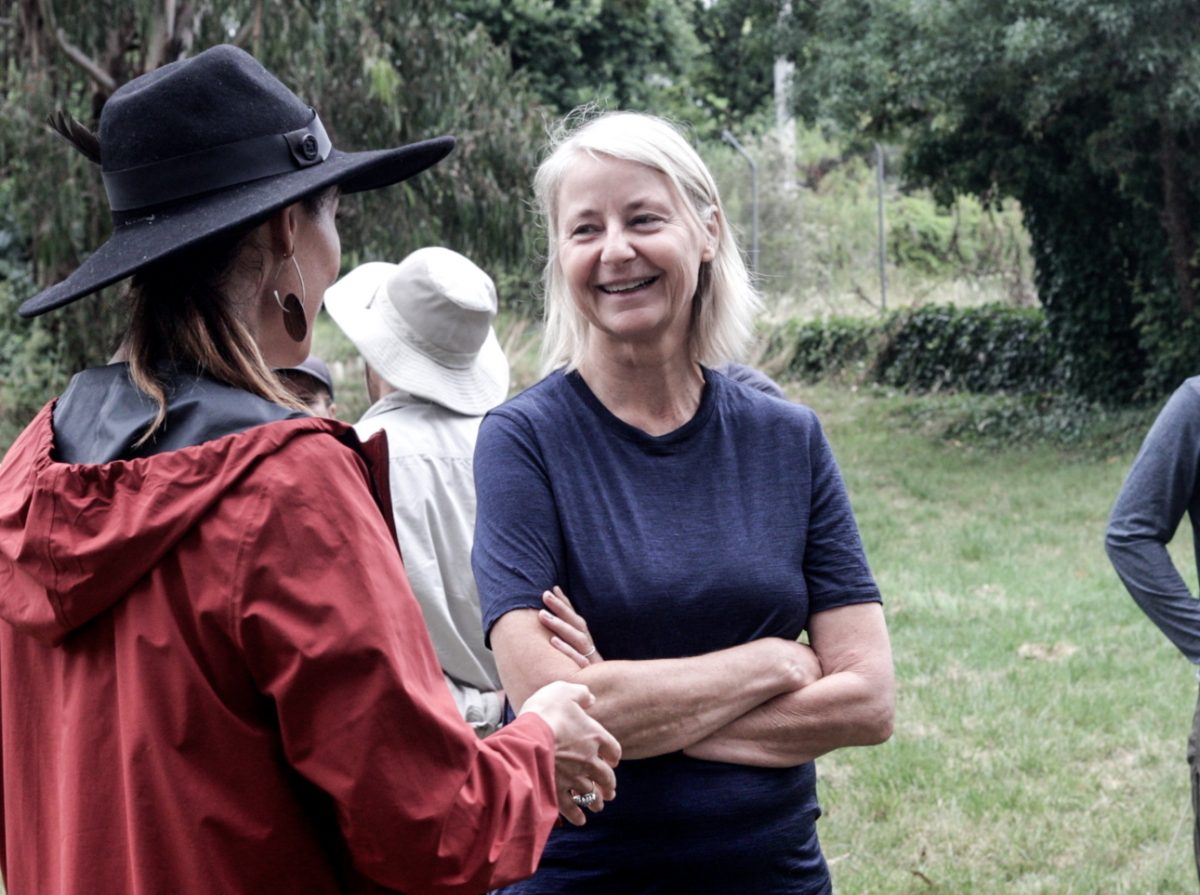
column 584, row 800
column 590, row 652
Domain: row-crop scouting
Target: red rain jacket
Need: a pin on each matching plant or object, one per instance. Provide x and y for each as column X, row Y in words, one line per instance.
column 214, row 678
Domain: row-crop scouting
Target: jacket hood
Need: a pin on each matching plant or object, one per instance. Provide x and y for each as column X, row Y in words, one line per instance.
column 76, row 537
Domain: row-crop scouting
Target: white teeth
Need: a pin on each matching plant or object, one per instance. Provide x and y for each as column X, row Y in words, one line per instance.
column 616, row 290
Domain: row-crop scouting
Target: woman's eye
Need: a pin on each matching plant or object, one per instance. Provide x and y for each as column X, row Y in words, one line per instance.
column 583, row 230
column 645, row 219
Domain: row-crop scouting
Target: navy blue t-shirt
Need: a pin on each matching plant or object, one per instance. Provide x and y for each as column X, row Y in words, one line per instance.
column 733, row 527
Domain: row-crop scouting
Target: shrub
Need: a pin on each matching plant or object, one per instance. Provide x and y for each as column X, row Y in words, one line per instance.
column 990, row 349
column 821, row 349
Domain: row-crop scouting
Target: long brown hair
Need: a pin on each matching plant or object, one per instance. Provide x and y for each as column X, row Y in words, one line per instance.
column 183, row 319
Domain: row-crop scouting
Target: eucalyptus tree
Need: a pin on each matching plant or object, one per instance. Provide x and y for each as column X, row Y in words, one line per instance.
column 379, row 71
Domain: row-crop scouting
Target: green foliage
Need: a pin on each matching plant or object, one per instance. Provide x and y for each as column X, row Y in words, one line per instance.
column 964, row 238
column 1083, row 277
column 394, row 71
column 1086, row 111
column 1066, row 421
column 818, row 242
column 987, row 349
column 822, row 349
column 1168, row 335
column 381, row 72
column 42, row 241
column 633, row 54
column 734, row 79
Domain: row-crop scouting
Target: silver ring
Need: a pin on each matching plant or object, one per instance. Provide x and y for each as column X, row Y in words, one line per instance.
column 590, row 652
column 584, row 800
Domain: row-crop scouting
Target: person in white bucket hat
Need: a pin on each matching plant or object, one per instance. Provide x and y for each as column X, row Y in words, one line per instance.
column 434, row 368
column 424, row 326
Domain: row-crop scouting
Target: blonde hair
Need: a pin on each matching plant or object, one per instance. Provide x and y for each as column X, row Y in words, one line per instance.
column 725, row 302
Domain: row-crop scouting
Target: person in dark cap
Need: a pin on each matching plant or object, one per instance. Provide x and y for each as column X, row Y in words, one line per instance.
column 310, row 383
column 213, row 676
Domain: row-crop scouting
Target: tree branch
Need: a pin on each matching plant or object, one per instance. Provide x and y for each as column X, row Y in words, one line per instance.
column 76, row 55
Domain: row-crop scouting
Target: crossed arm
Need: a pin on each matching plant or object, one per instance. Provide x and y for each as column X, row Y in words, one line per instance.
column 770, row 702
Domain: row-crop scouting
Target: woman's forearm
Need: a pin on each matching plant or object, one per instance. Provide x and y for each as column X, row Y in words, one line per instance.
column 664, row 705
column 655, row 706
column 853, row 704
column 845, row 709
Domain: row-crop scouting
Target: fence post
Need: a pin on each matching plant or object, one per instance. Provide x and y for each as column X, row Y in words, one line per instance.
column 882, row 231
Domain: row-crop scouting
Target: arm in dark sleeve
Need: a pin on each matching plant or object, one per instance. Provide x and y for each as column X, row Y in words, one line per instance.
column 1157, row 492
column 332, row 634
column 518, row 550
column 835, row 564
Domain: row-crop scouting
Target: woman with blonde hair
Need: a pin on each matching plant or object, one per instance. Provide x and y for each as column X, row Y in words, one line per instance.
column 213, row 674
column 698, row 526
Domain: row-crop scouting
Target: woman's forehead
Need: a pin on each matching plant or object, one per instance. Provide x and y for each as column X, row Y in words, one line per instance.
column 605, row 181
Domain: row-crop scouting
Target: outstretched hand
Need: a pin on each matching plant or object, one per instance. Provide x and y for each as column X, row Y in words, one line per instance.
column 584, row 752
column 569, row 629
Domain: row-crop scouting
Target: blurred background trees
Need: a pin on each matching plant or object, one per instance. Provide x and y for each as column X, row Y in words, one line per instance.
column 1085, row 111
column 1034, row 150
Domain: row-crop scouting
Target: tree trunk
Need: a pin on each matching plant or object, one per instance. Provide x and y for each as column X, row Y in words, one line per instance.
column 1177, row 221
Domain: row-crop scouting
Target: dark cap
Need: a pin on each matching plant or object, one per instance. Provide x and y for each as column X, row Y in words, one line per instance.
column 315, row 367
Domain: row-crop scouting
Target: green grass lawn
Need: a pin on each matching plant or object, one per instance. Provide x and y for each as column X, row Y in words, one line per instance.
column 1041, row 718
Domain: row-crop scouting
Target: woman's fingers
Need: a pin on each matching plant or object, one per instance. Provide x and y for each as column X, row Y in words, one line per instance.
column 557, row 596
column 569, row 627
column 584, row 751
column 585, row 793
column 569, row 651
column 568, row 809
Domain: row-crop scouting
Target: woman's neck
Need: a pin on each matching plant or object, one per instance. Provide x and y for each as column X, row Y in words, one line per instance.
column 654, row 395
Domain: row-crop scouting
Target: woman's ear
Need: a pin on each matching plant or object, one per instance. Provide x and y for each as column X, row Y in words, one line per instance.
column 281, row 230
column 712, row 234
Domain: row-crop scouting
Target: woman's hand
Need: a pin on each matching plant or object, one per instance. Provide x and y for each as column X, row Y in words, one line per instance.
column 569, row 629
column 584, row 752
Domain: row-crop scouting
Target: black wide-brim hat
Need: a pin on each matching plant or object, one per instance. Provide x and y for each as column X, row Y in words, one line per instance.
column 203, row 146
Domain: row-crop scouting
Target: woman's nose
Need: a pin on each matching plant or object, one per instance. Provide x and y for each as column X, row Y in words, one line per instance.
column 616, row 247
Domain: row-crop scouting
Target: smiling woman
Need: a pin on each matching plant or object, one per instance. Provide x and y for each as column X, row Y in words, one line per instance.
column 630, row 249
column 657, row 156
column 697, row 527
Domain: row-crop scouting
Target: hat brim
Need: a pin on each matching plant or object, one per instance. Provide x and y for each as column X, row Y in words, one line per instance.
column 137, row 243
column 471, row 390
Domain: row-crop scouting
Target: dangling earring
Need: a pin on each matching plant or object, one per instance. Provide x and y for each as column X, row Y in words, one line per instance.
column 294, row 320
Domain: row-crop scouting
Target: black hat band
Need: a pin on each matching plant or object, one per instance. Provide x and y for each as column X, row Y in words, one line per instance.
column 212, row 169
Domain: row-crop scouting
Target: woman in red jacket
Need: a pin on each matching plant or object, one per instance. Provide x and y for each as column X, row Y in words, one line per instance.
column 213, row 675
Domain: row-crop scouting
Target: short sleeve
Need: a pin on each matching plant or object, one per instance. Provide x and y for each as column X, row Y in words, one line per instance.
column 518, row 546
column 835, row 564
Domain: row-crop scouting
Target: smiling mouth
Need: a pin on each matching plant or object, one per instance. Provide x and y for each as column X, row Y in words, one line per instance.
column 631, row 287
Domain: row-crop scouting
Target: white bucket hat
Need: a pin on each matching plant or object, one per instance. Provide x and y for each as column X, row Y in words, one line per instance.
column 425, row 326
